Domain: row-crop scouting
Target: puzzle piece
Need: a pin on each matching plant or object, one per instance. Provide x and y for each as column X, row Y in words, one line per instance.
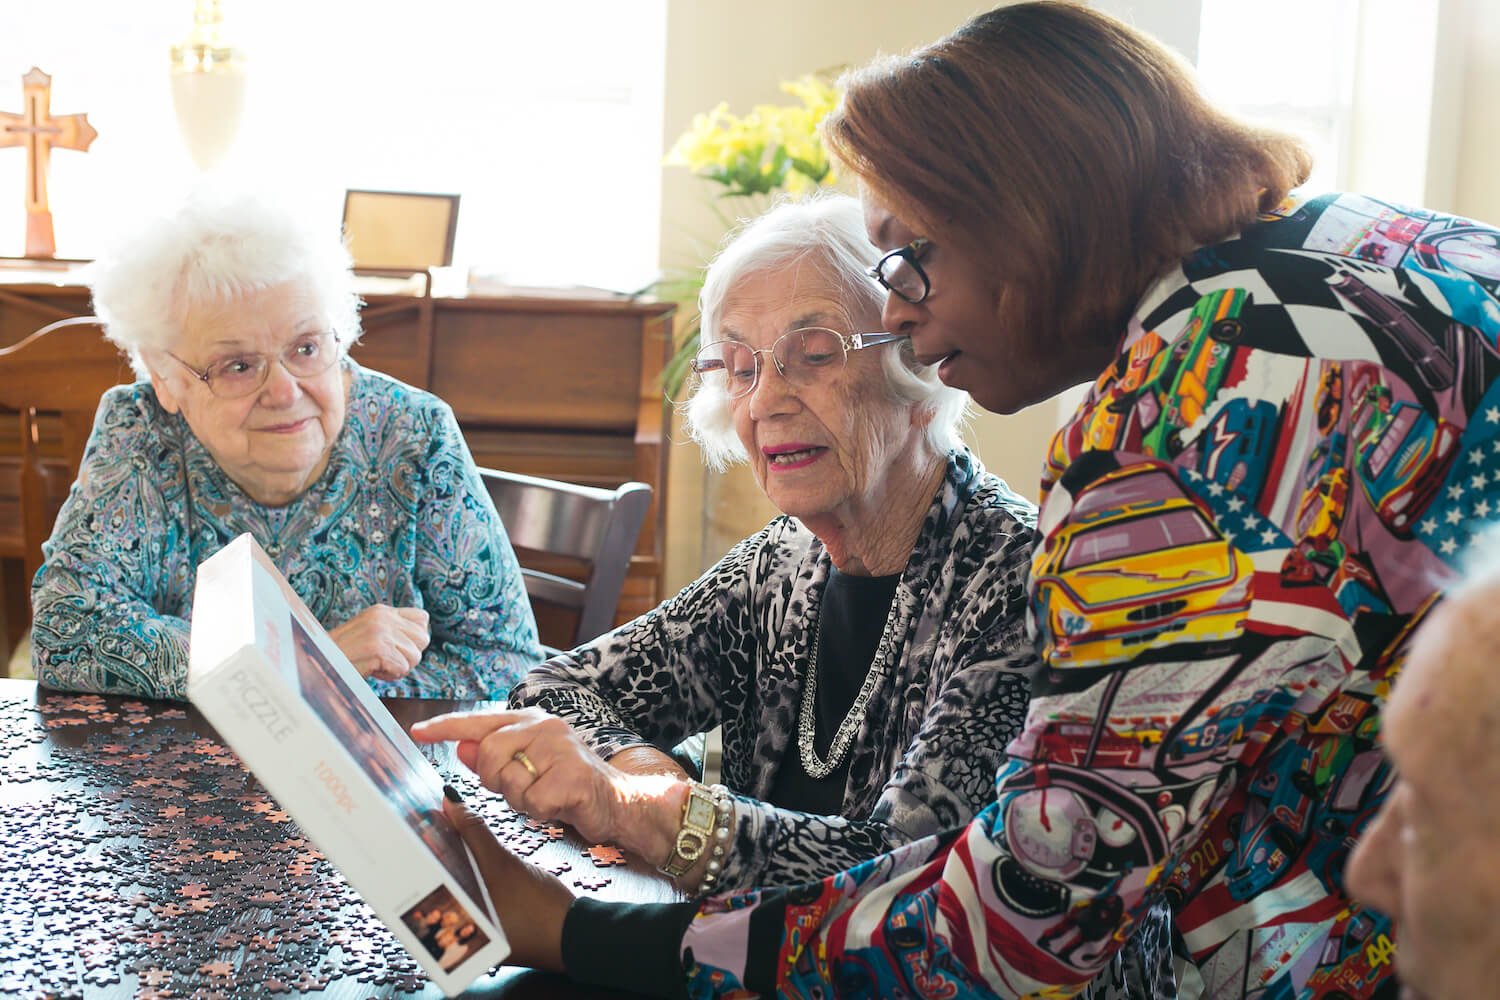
column 525, row 844
column 552, row 831
column 606, row 855
column 590, row 882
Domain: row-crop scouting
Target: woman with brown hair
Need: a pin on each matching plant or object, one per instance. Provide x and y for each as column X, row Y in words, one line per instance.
column 1059, row 162
column 1293, row 428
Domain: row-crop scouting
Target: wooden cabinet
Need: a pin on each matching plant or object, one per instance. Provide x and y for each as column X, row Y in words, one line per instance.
column 555, row 387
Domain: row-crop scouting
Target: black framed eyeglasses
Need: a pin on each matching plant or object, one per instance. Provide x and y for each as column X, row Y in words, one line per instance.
column 900, row 273
column 803, row 357
column 239, row 376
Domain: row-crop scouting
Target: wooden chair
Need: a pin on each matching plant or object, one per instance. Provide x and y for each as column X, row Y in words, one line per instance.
column 561, row 530
column 51, row 381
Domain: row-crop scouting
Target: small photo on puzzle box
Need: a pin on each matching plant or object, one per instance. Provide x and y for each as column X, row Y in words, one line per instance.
column 445, row 928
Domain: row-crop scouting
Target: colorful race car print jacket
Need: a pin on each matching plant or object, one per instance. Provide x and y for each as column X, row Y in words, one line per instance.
column 1241, row 526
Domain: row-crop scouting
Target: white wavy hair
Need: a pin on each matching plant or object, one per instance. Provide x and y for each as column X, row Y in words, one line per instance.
column 826, row 231
column 215, row 246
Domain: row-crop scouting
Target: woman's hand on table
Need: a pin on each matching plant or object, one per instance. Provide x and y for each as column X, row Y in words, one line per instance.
column 383, row 642
column 531, row 904
column 571, row 783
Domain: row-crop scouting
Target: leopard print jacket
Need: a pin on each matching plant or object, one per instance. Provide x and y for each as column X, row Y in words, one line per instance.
column 731, row 649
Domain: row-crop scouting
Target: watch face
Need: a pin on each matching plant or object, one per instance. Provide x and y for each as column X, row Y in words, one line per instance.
column 700, row 812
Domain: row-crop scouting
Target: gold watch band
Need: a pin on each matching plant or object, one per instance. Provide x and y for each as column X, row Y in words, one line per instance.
column 694, row 833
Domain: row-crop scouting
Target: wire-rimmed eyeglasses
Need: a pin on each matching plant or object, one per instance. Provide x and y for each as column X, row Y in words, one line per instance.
column 232, row 378
column 802, row 356
column 900, row 273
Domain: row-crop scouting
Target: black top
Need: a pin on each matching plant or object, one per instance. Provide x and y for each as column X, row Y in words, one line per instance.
column 851, row 620
column 635, row 946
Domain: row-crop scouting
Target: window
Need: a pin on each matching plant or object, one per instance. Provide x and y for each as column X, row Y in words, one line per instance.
column 1287, row 64
column 546, row 118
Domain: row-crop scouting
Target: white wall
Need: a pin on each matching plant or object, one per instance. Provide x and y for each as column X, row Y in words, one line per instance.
column 1174, row 22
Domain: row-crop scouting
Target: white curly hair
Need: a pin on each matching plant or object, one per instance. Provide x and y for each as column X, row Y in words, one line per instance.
column 214, row 246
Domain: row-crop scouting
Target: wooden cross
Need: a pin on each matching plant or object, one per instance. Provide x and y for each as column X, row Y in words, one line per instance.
column 37, row 130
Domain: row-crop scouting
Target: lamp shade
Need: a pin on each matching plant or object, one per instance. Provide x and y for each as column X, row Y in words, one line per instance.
column 208, row 88
column 208, row 106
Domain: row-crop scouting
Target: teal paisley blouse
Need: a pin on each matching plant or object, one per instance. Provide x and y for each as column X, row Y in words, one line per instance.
column 398, row 517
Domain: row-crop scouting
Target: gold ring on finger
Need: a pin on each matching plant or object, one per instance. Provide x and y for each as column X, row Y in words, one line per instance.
column 520, row 757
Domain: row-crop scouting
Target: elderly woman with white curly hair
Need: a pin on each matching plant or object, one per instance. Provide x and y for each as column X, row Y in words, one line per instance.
column 250, row 417
column 865, row 653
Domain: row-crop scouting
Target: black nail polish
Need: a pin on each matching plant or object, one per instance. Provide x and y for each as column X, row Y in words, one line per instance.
column 452, row 794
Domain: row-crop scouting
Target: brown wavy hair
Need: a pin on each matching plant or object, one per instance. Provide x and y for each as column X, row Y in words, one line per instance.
column 1071, row 152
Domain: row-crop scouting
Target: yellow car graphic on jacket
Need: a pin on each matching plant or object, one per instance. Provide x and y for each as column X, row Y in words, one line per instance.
column 1138, row 565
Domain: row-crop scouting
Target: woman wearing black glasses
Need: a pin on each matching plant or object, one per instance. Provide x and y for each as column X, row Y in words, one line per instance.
column 865, row 653
column 249, row 416
column 1291, row 435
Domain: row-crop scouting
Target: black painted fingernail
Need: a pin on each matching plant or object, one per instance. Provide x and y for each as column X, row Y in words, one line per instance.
column 452, row 794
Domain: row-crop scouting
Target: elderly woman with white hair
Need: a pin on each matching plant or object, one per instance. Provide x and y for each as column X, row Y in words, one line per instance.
column 865, row 653
column 250, row 417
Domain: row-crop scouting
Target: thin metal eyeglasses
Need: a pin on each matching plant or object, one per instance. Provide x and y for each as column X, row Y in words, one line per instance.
column 233, row 378
column 802, row 356
column 900, row 273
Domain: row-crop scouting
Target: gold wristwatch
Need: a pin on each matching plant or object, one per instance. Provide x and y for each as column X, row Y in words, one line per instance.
column 694, row 834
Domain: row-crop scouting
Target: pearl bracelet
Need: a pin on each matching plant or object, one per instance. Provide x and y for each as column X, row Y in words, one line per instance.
column 723, row 809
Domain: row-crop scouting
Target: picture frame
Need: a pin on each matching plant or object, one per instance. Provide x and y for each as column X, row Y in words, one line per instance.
column 400, row 230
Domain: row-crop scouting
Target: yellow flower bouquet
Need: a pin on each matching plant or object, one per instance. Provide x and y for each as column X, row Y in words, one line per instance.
column 772, row 148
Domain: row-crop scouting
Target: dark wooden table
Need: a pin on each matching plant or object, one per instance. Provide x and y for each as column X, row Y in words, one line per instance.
column 139, row 859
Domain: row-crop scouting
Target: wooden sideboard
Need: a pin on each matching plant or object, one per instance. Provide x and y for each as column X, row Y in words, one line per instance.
column 565, row 388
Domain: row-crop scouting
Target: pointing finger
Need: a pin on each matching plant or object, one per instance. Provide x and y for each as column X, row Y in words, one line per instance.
column 465, row 725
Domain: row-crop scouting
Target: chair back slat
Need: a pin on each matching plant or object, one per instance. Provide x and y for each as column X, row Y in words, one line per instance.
column 595, row 528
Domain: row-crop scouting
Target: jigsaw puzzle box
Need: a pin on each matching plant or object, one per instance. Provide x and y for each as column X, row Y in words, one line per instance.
column 266, row 675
